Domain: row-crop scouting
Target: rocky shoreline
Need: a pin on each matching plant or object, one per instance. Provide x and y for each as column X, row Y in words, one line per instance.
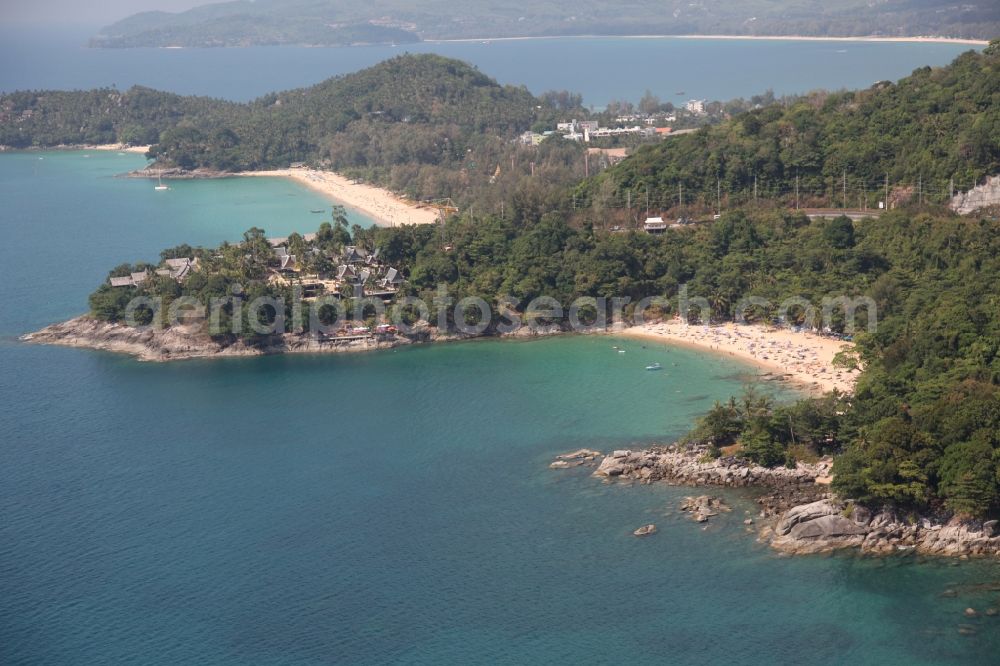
column 192, row 341
column 187, row 342
column 801, row 515
column 176, row 173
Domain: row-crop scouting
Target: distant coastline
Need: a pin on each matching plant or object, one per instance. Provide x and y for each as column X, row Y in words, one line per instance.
column 787, row 38
column 105, row 147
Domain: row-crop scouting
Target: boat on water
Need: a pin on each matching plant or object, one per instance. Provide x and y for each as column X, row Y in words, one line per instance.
column 654, row 366
column 317, row 211
column 159, row 184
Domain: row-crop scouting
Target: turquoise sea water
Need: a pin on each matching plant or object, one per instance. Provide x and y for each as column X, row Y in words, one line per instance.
column 72, row 218
column 382, row 508
column 602, row 69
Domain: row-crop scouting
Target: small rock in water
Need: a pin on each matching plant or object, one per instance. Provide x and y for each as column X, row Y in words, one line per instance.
column 950, row 594
column 704, row 507
column 748, row 521
column 971, row 612
column 966, row 630
column 645, row 530
column 992, row 612
column 585, row 454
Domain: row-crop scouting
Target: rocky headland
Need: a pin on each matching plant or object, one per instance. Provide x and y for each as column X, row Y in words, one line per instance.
column 800, row 515
column 185, row 342
column 180, row 342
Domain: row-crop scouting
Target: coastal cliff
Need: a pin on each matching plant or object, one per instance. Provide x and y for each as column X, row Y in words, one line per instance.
column 804, row 517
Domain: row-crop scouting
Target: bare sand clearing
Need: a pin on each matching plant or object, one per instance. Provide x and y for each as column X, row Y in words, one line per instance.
column 803, row 358
column 385, row 207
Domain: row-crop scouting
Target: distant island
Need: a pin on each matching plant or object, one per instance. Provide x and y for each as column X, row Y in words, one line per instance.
column 342, row 22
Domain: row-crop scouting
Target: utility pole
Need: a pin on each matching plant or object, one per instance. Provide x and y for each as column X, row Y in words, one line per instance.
column 586, row 163
column 951, row 189
column 680, row 193
column 887, row 190
column 629, row 205
column 920, row 189
column 718, row 195
column 845, row 188
column 755, row 190
column 796, row 191
column 647, row 202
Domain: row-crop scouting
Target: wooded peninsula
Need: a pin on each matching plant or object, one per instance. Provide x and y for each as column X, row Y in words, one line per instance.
column 921, row 431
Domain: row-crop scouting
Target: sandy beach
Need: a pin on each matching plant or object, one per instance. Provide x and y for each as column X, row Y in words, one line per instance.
column 790, row 38
column 385, row 207
column 803, row 358
column 800, row 38
column 118, row 147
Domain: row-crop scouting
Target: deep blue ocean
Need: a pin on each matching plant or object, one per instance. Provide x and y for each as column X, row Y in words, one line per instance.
column 380, row 508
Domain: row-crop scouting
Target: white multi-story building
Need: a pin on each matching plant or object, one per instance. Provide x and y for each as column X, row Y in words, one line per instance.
column 696, row 106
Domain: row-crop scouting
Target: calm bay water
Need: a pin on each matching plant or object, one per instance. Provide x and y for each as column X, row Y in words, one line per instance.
column 602, row 69
column 394, row 507
column 383, row 508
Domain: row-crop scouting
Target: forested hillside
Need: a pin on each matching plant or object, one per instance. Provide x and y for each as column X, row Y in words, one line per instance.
column 249, row 22
column 420, row 124
column 933, row 129
column 415, row 91
column 433, row 128
column 923, row 429
column 45, row 118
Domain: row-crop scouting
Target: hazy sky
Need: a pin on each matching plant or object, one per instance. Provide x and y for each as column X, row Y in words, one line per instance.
column 89, row 12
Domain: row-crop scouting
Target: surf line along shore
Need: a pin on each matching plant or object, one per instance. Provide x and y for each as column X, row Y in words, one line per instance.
column 385, row 207
column 804, row 358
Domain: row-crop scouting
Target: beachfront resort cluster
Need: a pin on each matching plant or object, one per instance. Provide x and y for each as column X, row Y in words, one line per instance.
column 350, row 271
column 358, row 273
column 627, row 123
column 646, row 125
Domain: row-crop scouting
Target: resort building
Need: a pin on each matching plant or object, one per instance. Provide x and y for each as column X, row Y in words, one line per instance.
column 654, row 225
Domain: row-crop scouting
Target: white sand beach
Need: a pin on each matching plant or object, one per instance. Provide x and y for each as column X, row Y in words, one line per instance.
column 803, row 358
column 118, row 147
column 800, row 38
column 386, row 208
column 916, row 39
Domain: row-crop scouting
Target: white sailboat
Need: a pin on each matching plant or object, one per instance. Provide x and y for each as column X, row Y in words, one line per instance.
column 159, row 183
